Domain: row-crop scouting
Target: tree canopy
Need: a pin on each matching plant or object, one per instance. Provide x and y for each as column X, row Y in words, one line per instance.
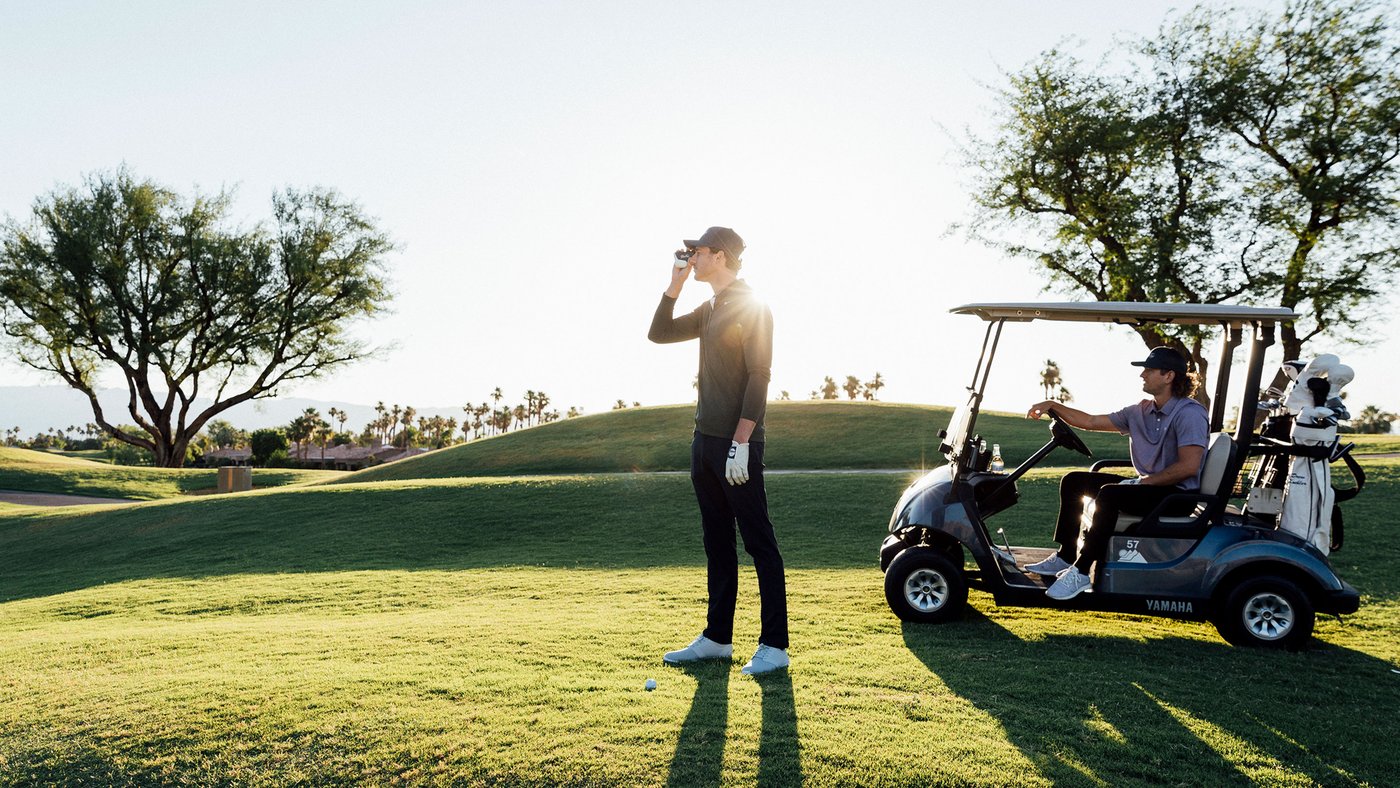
column 1235, row 158
column 123, row 275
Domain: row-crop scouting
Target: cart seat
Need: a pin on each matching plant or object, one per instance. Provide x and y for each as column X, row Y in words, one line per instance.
column 1217, row 461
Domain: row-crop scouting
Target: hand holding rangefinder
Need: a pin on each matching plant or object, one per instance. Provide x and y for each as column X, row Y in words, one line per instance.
column 683, row 257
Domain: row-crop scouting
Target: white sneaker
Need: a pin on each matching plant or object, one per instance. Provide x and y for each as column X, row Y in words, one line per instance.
column 766, row 660
column 1070, row 584
column 701, row 648
column 1050, row 567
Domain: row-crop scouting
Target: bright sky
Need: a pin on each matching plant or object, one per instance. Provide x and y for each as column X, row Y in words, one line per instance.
column 538, row 162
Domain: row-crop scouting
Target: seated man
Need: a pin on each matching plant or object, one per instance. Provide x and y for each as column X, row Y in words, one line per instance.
column 1167, row 437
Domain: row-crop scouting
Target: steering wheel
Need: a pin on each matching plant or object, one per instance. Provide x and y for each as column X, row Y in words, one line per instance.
column 1067, row 437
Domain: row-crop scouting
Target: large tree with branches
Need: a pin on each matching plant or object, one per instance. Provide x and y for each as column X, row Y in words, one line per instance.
column 124, row 276
column 1236, row 158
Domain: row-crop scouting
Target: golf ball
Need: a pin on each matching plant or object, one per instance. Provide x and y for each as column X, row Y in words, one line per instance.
column 651, row 684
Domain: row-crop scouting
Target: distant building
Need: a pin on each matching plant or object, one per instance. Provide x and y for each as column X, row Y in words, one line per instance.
column 340, row 458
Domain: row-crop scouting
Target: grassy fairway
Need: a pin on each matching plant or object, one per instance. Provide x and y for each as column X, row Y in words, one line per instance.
column 499, row 631
column 34, row 471
column 806, row 435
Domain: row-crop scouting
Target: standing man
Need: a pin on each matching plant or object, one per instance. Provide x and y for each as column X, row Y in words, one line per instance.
column 1167, row 438
column 735, row 330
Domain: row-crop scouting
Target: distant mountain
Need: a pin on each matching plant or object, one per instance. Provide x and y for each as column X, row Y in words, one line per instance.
column 38, row 408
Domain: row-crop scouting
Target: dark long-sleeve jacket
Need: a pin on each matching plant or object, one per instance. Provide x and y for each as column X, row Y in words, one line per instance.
column 735, row 330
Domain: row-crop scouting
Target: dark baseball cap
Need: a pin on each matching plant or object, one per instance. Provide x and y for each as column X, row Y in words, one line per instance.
column 720, row 238
column 1164, row 358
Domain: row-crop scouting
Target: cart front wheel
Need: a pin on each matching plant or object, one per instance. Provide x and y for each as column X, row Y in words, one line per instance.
column 923, row 586
column 1267, row 612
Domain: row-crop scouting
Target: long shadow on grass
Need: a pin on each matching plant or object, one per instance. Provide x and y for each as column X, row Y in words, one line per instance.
column 1086, row 708
column 699, row 757
column 597, row 522
column 779, row 752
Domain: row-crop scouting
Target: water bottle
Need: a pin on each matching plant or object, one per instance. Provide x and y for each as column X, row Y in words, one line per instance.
column 998, row 464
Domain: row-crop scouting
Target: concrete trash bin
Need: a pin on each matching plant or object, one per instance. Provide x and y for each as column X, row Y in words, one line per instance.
column 235, row 478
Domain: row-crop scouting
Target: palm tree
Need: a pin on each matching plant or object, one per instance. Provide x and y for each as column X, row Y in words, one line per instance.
column 852, row 386
column 828, row 388
column 541, row 402
column 1050, row 378
column 529, row 406
column 872, row 388
column 497, row 396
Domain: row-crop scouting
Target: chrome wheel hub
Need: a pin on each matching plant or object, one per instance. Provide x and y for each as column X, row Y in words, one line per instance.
column 926, row 590
column 1268, row 616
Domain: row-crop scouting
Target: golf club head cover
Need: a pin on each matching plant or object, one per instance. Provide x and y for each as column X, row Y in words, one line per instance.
column 1339, row 377
column 1301, row 396
column 1319, row 388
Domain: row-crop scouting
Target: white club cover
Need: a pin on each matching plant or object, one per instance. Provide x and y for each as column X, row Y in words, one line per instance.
column 1339, row 377
column 736, row 468
column 1300, row 396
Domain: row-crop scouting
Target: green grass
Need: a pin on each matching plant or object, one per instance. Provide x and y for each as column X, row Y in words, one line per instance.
column 498, row 631
column 33, row 471
column 821, row 435
column 1373, row 444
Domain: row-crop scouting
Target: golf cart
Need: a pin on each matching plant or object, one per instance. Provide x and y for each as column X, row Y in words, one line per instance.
column 1229, row 563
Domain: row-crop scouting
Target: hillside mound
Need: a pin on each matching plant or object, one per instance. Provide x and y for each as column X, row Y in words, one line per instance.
column 801, row 435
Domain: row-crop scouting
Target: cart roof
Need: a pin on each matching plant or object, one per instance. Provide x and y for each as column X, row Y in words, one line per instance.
column 1128, row 312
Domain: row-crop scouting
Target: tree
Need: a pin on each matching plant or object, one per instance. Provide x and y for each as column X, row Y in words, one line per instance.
column 1240, row 159
column 873, row 386
column 265, row 443
column 852, row 386
column 828, row 388
column 303, row 428
column 1050, row 378
column 1373, row 420
column 224, row 435
column 124, row 276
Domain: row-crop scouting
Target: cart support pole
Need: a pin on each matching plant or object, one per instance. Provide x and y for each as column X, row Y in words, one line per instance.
column 1229, row 340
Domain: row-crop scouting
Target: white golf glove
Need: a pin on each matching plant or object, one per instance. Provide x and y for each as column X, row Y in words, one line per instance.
column 736, row 469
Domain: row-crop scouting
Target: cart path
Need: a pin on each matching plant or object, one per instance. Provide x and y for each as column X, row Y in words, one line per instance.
column 56, row 499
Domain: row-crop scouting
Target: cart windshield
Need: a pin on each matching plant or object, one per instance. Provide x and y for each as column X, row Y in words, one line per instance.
column 960, row 426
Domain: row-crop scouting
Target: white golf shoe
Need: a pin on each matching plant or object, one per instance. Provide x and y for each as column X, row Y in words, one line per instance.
column 766, row 660
column 701, row 648
column 1070, row 584
column 1050, row 567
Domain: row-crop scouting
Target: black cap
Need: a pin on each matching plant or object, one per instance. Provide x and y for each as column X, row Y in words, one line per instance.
column 720, row 238
column 1164, row 358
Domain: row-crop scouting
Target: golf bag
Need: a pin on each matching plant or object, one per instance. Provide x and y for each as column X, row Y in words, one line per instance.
column 1313, row 405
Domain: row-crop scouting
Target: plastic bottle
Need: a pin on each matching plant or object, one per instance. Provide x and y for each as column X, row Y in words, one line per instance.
column 998, row 464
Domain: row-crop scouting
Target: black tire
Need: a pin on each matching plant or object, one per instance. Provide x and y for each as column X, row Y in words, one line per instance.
column 1267, row 612
column 924, row 587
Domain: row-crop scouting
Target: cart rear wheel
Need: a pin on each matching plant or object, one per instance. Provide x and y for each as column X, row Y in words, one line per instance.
column 1267, row 612
column 925, row 587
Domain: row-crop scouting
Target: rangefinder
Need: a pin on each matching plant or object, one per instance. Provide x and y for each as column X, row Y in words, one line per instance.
column 683, row 257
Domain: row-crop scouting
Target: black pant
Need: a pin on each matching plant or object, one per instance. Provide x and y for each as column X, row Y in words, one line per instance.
column 721, row 505
column 1111, row 499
